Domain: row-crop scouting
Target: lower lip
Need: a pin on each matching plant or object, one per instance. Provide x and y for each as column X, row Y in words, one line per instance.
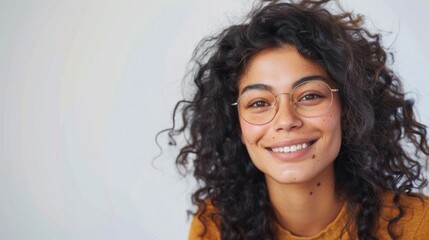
column 292, row 156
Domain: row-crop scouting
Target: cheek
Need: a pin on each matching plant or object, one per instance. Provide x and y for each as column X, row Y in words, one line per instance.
column 332, row 126
column 251, row 134
column 332, row 119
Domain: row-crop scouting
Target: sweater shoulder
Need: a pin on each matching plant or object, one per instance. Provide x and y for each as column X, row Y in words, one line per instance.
column 205, row 224
column 415, row 221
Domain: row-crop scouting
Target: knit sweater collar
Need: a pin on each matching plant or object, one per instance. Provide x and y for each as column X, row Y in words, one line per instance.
column 335, row 230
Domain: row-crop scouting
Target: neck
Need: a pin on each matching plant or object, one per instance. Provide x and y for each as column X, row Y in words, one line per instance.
column 305, row 209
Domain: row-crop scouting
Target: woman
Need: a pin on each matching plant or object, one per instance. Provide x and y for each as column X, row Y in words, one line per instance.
column 298, row 129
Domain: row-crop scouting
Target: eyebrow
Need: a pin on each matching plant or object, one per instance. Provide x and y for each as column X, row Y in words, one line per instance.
column 260, row 86
column 269, row 88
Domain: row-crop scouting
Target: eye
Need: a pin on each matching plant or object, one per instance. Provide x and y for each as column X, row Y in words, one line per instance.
column 310, row 97
column 259, row 104
column 257, row 100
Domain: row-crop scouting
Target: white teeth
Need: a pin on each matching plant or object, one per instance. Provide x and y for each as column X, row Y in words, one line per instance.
column 292, row 148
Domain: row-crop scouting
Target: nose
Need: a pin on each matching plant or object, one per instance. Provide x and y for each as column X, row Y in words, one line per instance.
column 286, row 118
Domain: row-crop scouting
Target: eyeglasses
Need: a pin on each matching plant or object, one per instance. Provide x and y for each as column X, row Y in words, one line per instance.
column 258, row 105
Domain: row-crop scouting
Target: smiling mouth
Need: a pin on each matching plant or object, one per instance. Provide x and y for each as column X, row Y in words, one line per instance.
column 292, row 148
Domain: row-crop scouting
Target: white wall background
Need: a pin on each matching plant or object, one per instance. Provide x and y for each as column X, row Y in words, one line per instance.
column 86, row 85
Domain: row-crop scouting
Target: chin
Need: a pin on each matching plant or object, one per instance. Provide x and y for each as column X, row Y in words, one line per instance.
column 290, row 178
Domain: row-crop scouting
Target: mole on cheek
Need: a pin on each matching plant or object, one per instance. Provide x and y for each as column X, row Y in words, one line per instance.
column 318, row 184
column 311, row 193
column 314, row 156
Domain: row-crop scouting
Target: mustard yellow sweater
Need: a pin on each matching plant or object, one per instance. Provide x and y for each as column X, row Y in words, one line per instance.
column 414, row 224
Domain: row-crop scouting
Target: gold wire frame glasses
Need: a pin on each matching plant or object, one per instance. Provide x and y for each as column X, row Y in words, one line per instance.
column 258, row 105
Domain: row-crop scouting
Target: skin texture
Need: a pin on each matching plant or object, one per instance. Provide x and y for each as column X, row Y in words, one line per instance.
column 301, row 184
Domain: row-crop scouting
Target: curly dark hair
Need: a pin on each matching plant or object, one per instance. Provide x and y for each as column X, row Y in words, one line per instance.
column 381, row 139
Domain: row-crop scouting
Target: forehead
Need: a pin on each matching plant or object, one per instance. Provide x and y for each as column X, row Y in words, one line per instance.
column 279, row 68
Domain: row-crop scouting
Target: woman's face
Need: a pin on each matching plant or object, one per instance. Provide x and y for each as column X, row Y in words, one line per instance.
column 290, row 148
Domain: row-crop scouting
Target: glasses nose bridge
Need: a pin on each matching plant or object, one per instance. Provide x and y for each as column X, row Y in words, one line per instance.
column 287, row 111
column 285, row 93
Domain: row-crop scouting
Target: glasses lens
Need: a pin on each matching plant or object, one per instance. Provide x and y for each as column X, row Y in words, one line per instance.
column 257, row 106
column 312, row 98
